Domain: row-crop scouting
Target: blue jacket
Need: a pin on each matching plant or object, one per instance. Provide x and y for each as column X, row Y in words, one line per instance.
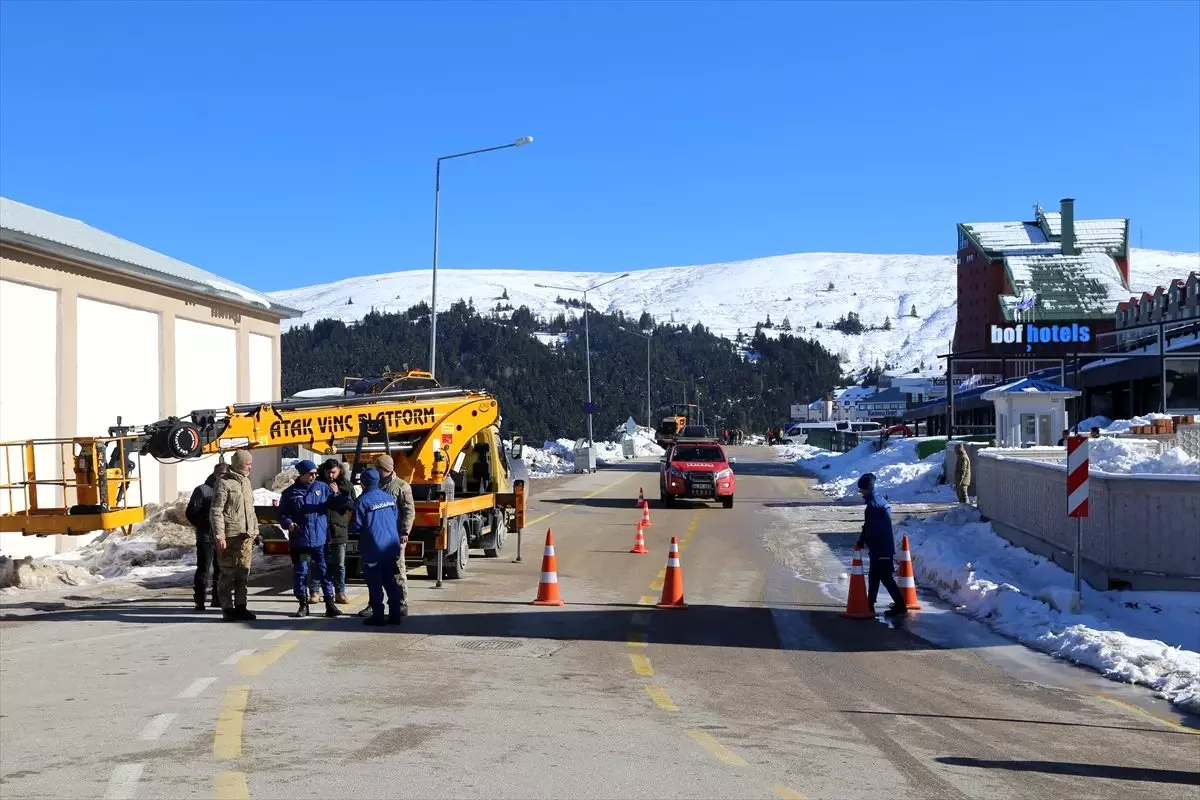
column 375, row 517
column 877, row 528
column 308, row 507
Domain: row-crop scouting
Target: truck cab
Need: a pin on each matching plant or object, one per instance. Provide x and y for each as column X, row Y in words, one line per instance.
column 697, row 469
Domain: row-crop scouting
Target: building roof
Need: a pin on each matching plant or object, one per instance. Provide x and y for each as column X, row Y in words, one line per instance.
column 892, row 395
column 1044, row 235
column 71, row 238
column 1067, row 287
column 1028, row 386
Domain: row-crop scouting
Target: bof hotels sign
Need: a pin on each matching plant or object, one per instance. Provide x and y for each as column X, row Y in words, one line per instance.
column 1031, row 336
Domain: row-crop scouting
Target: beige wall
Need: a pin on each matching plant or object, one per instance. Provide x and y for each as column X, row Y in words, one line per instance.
column 74, row 282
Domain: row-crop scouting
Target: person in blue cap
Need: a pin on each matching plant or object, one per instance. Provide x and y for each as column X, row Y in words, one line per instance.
column 375, row 517
column 303, row 513
column 881, row 547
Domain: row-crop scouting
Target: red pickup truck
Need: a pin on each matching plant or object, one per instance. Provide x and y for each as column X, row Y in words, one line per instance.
column 696, row 469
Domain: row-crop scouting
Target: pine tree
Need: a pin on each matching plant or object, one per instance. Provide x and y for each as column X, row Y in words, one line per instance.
column 914, row 310
column 504, row 296
column 786, row 325
column 830, row 289
column 349, row 301
column 819, row 325
column 887, row 323
column 768, row 324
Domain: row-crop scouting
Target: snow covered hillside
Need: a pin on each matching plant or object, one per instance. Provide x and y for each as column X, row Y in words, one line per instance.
column 727, row 297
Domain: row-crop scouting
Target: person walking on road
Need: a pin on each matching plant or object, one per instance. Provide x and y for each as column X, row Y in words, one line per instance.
column 406, row 509
column 376, row 521
column 304, row 514
column 881, row 547
column 332, row 473
column 198, row 509
column 235, row 529
column 962, row 472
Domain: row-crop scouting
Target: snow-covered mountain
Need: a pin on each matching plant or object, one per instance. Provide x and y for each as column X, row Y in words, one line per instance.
column 727, row 297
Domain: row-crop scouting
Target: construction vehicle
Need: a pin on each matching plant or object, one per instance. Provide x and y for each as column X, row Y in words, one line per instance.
column 678, row 417
column 445, row 441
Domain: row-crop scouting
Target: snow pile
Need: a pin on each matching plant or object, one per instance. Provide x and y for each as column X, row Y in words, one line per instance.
column 1107, row 425
column 1133, row 457
column 644, row 446
column 899, row 475
column 1149, row 638
column 554, row 458
column 26, row 573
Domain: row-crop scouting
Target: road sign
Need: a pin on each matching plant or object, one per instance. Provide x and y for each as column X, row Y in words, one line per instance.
column 1077, row 476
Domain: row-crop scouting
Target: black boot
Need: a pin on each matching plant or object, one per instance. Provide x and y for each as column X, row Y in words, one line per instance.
column 896, row 610
column 331, row 609
column 244, row 613
column 228, row 615
column 397, row 617
column 366, row 612
column 302, row 611
column 199, row 600
column 375, row 620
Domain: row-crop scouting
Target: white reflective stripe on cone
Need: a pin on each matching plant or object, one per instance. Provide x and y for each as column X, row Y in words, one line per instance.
column 905, row 555
column 906, row 583
column 672, row 562
column 549, row 550
column 856, row 569
column 549, row 577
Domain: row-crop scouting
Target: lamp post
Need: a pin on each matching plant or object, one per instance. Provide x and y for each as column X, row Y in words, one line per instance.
column 647, row 337
column 587, row 337
column 437, row 194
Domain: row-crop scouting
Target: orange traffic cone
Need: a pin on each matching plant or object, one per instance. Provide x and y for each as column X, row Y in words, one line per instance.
column 547, row 594
column 646, row 523
column 905, row 579
column 639, row 542
column 672, row 593
column 856, row 604
column 641, row 496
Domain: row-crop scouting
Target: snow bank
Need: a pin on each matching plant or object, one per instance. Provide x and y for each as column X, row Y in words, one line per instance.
column 1107, row 425
column 1148, row 638
column 644, row 446
column 1132, row 457
column 899, row 475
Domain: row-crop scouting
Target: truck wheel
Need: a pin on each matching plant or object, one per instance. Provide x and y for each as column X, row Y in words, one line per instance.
column 456, row 565
column 727, row 501
column 500, row 532
column 668, row 500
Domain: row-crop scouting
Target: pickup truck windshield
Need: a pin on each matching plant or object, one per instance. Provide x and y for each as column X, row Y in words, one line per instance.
column 698, row 454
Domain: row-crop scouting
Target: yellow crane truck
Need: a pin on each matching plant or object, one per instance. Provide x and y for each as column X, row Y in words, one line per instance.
column 445, row 441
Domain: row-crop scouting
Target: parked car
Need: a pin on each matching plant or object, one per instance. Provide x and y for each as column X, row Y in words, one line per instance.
column 697, row 469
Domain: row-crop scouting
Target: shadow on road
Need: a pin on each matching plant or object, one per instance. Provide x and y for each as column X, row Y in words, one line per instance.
column 1110, row 771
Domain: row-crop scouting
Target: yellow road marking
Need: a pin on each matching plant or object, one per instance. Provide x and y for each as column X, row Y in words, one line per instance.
column 544, row 517
column 660, row 697
column 657, row 586
column 231, row 786
column 662, row 573
column 304, row 632
column 637, row 639
column 227, row 739
column 641, row 665
column 1131, row 707
column 640, row 619
column 715, row 749
column 786, row 792
column 647, row 600
column 257, row 663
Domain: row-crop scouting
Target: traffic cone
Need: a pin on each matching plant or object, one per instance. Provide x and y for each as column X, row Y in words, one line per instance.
column 905, row 579
column 641, row 496
column 547, row 594
column 672, row 593
column 646, row 523
column 857, row 606
column 639, row 542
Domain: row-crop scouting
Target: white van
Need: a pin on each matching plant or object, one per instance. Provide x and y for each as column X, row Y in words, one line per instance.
column 798, row 433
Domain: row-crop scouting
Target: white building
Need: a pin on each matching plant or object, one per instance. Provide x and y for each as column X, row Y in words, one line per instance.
column 93, row 327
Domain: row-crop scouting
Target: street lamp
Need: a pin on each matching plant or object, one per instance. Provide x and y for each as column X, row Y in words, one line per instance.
column 648, row 337
column 437, row 192
column 587, row 339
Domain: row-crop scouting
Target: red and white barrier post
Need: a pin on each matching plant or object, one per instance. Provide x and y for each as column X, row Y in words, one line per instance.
column 1077, row 504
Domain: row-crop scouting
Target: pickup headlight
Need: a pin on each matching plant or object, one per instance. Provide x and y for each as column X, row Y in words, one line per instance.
column 725, row 473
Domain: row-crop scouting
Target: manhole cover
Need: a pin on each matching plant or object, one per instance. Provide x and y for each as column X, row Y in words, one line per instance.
column 490, row 644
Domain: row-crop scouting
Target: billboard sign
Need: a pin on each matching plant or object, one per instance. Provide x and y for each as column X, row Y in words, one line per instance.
column 1042, row 337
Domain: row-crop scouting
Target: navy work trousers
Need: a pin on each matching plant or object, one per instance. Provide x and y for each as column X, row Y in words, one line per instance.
column 882, row 570
column 304, row 561
column 381, row 578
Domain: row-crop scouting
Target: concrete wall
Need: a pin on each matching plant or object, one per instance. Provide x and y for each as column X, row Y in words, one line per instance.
column 79, row 346
column 1142, row 532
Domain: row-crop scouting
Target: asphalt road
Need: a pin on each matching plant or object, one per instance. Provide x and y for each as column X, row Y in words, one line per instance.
column 758, row 689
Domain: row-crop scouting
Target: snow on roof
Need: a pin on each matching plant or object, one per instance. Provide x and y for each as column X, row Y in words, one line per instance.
column 1090, row 234
column 1089, row 284
column 1000, row 236
column 893, row 395
column 28, row 221
column 1029, row 386
column 1045, row 235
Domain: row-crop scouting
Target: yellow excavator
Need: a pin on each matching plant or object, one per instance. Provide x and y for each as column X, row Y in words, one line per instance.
column 445, row 442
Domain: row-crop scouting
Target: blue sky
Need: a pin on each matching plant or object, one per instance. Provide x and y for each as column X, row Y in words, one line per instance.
column 289, row 144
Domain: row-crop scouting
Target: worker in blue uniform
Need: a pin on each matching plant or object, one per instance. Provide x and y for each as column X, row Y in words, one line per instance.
column 880, row 542
column 304, row 514
column 375, row 517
